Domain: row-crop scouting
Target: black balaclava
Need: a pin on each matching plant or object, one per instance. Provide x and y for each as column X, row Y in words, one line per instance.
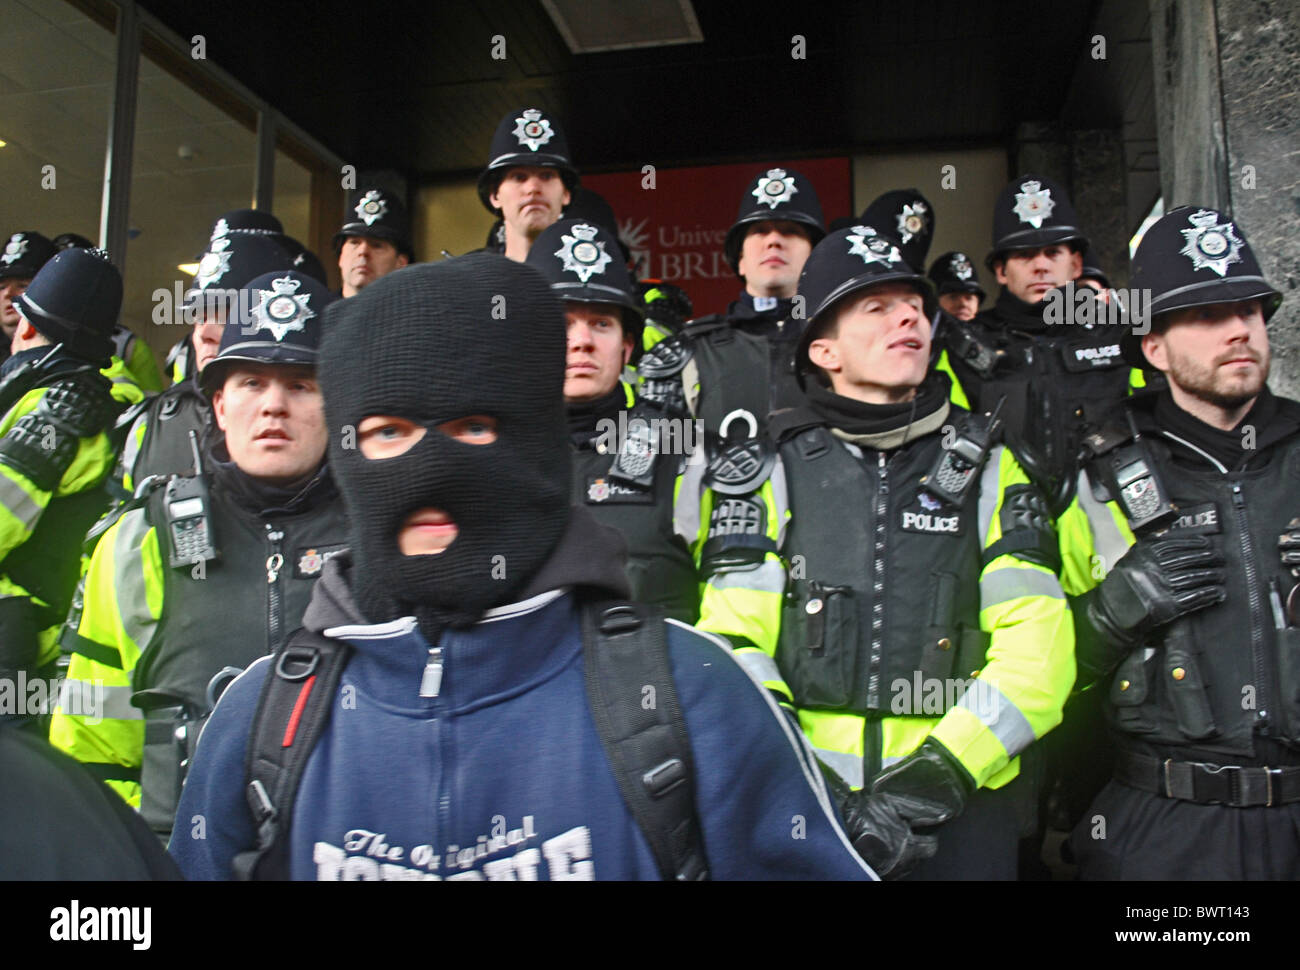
column 476, row 335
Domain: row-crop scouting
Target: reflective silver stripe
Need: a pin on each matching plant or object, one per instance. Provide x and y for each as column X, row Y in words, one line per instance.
column 759, row 666
column 19, row 503
column 129, row 579
column 780, row 499
column 686, row 508
column 1107, row 541
column 131, row 450
column 1007, row 584
column 769, row 577
column 847, row 766
column 990, row 478
column 94, row 701
column 891, row 759
column 999, row 715
column 690, row 378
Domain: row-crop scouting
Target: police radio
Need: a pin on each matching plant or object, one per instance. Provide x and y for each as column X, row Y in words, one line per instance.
column 188, row 510
column 956, row 467
column 1140, row 492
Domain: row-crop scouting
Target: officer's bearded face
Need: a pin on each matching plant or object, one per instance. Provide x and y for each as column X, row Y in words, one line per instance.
column 9, row 289
column 1030, row 273
column 1218, row 353
column 772, row 257
column 878, row 348
column 273, row 417
column 597, row 350
column 530, row 199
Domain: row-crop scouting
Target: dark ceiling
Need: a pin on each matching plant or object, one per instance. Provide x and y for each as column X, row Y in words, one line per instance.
column 413, row 86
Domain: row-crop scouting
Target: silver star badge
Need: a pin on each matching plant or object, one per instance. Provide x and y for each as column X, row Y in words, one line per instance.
column 864, row 242
column 1210, row 243
column 220, row 229
column 371, row 207
column 774, row 188
column 582, row 254
column 214, row 264
column 532, row 129
column 1034, row 203
column 15, row 248
column 911, row 221
column 961, row 267
column 280, row 309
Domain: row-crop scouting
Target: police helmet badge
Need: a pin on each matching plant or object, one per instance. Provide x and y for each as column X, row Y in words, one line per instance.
column 311, row 562
column 220, row 229
column 214, row 264
column 1211, row 244
column 961, row 267
column 582, row 254
column 598, row 490
column 280, row 309
column 372, row 207
column 14, row 249
column 912, row 220
column 1034, row 203
column 774, row 188
column 532, row 129
column 864, row 242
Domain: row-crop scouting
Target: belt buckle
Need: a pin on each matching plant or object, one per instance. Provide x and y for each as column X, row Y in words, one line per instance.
column 1268, row 783
column 1169, row 792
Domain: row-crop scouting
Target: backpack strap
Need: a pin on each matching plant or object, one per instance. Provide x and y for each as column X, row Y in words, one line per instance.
column 292, row 713
column 634, row 704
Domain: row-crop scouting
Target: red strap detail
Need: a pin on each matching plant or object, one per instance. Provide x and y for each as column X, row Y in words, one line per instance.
column 292, row 728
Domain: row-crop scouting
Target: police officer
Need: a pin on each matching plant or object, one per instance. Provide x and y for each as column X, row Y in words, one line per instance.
column 193, row 583
column 890, row 571
column 627, row 455
column 24, row 255
column 731, row 370
column 54, row 450
column 244, row 244
column 136, row 357
column 375, row 239
column 1054, row 379
column 529, row 178
column 954, row 277
column 1192, row 635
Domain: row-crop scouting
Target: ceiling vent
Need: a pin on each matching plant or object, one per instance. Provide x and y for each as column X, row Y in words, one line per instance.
column 590, row 26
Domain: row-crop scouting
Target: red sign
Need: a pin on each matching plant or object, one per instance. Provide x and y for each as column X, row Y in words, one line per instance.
column 677, row 228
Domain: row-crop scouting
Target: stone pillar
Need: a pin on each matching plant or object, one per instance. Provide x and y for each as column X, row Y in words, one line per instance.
column 1227, row 97
column 1097, row 189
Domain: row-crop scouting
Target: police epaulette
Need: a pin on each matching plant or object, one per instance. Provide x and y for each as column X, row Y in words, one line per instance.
column 711, row 323
column 788, row 422
column 971, row 351
column 1102, row 440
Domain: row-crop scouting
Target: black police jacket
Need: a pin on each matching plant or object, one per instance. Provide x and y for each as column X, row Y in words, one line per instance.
column 659, row 564
column 1054, row 381
column 1221, row 679
column 897, row 590
column 241, row 606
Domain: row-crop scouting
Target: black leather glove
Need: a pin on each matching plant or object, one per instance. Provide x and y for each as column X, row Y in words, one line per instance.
column 1158, row 580
column 925, row 789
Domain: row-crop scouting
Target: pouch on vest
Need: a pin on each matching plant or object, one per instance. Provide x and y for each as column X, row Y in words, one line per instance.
column 1128, row 693
column 170, row 730
column 818, row 664
column 1288, row 664
column 1181, row 676
column 942, row 638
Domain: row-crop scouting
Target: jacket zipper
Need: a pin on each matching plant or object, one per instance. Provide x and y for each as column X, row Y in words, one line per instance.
column 274, row 563
column 878, row 584
column 1256, row 607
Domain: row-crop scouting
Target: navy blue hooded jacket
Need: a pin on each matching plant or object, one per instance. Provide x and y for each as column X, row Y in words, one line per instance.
column 502, row 775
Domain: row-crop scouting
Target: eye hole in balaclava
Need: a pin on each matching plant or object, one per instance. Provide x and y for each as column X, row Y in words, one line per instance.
column 440, row 351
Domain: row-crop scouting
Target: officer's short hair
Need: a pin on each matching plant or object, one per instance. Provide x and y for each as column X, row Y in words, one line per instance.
column 1074, row 245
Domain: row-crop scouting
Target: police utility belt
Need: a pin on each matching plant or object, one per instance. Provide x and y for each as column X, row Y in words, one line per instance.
column 1236, row 786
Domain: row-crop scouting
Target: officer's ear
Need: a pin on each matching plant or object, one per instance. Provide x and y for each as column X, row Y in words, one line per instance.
column 402, row 260
column 1155, row 350
column 25, row 329
column 219, row 408
column 1076, row 264
column 824, row 352
column 999, row 271
column 567, row 198
column 627, row 348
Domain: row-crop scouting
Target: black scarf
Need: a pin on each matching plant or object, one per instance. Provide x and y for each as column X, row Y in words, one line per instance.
column 585, row 416
column 1013, row 313
column 263, row 498
column 859, row 418
column 1226, row 446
